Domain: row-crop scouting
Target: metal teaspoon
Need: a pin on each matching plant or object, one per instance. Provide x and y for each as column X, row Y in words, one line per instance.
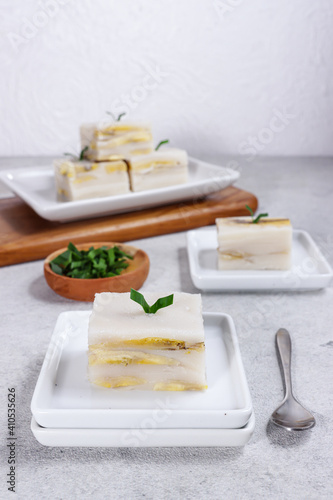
column 290, row 415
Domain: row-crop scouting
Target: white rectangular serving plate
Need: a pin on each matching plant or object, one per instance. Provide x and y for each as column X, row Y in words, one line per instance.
column 146, row 437
column 36, row 186
column 64, row 398
column 309, row 270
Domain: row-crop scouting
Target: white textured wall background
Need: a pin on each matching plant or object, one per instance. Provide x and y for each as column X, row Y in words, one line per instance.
column 230, row 70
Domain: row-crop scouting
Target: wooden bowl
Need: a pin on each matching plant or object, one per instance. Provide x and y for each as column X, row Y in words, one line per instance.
column 84, row 289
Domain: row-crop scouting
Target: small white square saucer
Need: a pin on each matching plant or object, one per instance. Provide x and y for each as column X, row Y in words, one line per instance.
column 309, row 270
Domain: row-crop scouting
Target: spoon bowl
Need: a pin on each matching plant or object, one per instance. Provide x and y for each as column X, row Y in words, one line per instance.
column 290, row 415
column 293, row 416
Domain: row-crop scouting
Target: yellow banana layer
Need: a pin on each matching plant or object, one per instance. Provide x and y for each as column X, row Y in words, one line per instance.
column 247, row 221
column 149, row 343
column 120, row 140
column 244, row 255
column 73, row 169
column 117, row 128
column 115, row 166
column 63, row 192
column 144, row 165
column 178, row 386
column 102, row 356
column 115, row 382
column 121, row 382
column 84, row 178
column 141, row 151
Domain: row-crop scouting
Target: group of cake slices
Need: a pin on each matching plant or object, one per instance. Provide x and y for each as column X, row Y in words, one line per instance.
column 128, row 347
column 165, row 351
column 116, row 158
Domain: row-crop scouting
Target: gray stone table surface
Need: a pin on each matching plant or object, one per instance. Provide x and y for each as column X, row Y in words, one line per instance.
column 274, row 464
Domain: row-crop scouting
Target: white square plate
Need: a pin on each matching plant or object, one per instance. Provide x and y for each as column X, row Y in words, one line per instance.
column 36, row 186
column 143, row 437
column 310, row 270
column 64, row 398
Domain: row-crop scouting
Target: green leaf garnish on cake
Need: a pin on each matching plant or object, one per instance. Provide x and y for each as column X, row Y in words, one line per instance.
column 161, row 144
column 80, row 157
column 119, row 116
column 257, row 219
column 159, row 304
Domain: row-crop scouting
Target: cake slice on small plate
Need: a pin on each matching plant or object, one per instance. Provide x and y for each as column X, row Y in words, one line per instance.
column 245, row 244
column 161, row 351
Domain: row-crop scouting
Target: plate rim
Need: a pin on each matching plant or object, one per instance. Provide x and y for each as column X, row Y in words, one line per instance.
column 57, row 210
column 40, row 413
column 208, row 436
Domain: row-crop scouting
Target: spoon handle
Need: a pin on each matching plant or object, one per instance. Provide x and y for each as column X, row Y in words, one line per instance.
column 283, row 342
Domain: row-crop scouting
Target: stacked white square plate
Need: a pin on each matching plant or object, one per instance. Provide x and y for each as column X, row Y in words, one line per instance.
column 69, row 411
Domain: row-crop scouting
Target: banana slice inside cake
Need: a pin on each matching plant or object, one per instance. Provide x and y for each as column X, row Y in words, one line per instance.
column 129, row 348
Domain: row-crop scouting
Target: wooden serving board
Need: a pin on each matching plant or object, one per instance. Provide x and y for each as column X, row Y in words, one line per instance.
column 24, row 236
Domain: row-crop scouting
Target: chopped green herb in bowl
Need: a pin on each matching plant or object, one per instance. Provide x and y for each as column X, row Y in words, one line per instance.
column 80, row 271
column 93, row 263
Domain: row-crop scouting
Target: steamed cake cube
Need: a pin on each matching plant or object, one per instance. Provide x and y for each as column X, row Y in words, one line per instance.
column 79, row 180
column 245, row 245
column 162, row 168
column 116, row 140
column 162, row 351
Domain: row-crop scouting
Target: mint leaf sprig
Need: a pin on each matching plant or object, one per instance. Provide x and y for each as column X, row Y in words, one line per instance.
column 161, row 144
column 94, row 263
column 113, row 116
column 159, row 304
column 80, row 157
column 257, row 219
